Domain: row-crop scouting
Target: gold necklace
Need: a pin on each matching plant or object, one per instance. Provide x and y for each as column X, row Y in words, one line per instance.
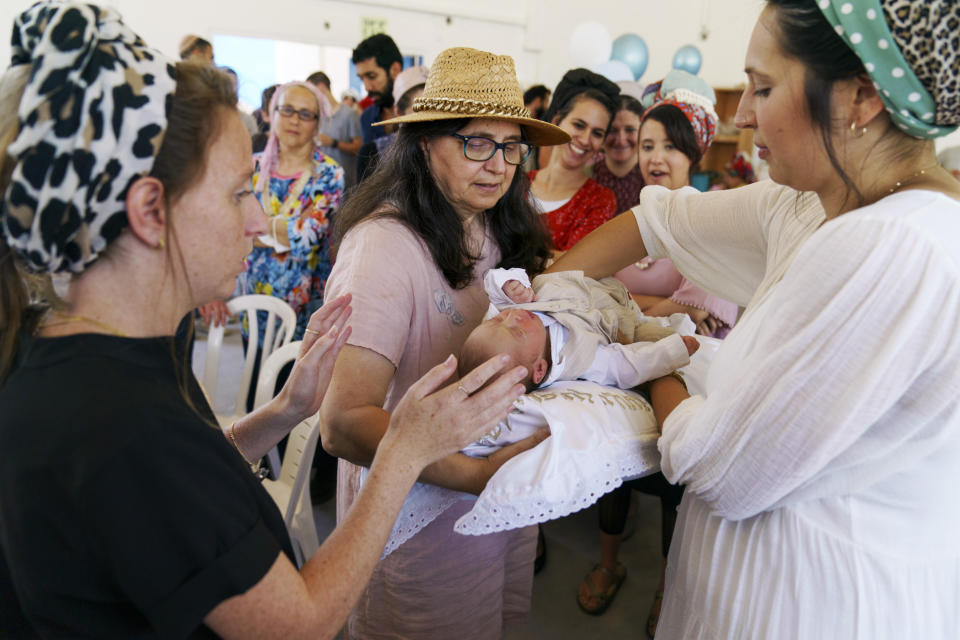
column 900, row 183
column 67, row 319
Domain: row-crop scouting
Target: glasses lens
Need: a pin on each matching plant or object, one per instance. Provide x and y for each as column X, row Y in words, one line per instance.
column 286, row 111
column 516, row 152
column 480, row 149
column 306, row 115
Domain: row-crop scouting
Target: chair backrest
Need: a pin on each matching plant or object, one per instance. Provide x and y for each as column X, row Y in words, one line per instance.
column 290, row 488
column 266, row 383
column 280, row 325
column 290, row 491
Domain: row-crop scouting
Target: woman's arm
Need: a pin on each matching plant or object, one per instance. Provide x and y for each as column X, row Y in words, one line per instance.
column 606, row 250
column 353, row 423
column 668, row 307
column 645, row 302
column 259, row 431
column 426, row 424
column 840, row 353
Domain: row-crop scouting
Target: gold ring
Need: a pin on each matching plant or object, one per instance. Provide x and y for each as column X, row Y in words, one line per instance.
column 312, row 331
column 464, row 389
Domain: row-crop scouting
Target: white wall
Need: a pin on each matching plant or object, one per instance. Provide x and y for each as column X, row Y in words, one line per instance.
column 535, row 32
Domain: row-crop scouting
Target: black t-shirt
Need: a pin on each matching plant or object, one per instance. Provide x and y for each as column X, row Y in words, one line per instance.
column 123, row 513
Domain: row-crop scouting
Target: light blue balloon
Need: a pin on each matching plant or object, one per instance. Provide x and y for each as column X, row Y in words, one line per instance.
column 631, row 50
column 688, row 58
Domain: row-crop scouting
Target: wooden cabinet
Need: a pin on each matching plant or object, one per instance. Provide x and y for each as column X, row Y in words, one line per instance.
column 728, row 139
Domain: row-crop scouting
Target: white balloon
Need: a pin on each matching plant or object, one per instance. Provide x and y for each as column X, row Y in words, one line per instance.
column 590, row 44
column 613, row 70
column 630, row 88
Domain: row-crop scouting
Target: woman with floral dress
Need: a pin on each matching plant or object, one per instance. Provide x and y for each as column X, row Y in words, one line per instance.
column 299, row 188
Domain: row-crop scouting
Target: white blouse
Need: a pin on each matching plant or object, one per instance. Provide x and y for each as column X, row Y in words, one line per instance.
column 823, row 463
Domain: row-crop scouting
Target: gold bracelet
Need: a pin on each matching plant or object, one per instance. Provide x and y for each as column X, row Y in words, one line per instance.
column 679, row 378
column 233, row 438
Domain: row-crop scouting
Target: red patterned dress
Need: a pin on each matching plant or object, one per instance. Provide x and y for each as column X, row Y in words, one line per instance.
column 590, row 207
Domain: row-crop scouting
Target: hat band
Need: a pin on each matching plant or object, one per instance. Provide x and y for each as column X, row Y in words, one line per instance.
column 468, row 107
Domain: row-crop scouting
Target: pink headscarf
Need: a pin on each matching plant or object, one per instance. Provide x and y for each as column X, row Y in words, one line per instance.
column 271, row 153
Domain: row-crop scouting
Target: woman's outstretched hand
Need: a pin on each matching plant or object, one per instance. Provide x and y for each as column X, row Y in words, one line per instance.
column 325, row 335
column 432, row 421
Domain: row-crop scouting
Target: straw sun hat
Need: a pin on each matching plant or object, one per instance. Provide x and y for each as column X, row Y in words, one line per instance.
column 467, row 83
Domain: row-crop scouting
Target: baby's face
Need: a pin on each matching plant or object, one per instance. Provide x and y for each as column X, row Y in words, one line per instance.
column 517, row 332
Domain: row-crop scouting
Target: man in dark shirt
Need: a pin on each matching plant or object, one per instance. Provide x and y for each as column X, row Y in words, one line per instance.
column 378, row 63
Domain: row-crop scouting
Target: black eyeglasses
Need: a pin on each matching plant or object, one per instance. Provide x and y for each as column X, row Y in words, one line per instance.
column 480, row 149
column 303, row 114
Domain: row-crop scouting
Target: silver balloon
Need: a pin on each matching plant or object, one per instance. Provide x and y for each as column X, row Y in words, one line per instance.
column 631, row 50
column 688, row 58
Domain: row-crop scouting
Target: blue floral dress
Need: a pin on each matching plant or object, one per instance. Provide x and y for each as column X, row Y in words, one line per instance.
column 300, row 274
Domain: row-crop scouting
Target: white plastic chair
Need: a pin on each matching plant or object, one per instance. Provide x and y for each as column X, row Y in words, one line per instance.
column 281, row 323
column 291, row 491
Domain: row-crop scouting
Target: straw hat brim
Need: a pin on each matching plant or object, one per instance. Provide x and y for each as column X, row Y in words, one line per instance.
column 538, row 132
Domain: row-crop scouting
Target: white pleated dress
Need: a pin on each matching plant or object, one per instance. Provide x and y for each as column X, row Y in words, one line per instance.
column 823, row 464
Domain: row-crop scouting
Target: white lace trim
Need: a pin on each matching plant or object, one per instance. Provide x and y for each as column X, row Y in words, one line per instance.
column 490, row 515
column 423, row 505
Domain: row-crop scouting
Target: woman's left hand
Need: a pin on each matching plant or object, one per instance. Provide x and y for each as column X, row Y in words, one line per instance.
column 325, row 335
column 707, row 325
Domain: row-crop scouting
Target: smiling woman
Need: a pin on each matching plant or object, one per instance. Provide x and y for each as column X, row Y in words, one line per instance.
column 620, row 171
column 572, row 203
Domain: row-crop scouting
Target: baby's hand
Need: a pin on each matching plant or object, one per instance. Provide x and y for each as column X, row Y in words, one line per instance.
column 518, row 293
column 692, row 344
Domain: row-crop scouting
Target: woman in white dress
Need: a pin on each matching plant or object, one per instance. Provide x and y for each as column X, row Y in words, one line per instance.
column 822, row 462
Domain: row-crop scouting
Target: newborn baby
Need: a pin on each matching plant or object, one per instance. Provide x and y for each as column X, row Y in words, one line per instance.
column 570, row 327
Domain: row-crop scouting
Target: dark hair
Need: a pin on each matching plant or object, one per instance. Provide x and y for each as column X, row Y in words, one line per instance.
column 629, row 103
column 806, row 35
column 575, row 83
column 605, row 100
column 382, row 48
column 198, row 44
column 534, row 92
column 194, row 117
column 679, row 131
column 403, row 181
column 319, row 77
column 266, row 96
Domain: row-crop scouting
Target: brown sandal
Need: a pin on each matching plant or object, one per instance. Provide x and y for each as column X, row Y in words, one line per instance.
column 602, row 598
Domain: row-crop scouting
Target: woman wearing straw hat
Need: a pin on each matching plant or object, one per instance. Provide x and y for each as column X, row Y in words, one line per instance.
column 126, row 512
column 446, row 203
column 822, row 463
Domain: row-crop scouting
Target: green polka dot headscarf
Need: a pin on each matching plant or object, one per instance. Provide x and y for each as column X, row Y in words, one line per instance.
column 910, row 50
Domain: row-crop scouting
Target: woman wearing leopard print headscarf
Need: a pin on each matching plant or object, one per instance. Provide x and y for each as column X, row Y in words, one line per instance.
column 122, row 512
column 822, row 462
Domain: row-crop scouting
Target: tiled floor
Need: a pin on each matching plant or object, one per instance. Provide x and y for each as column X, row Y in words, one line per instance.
column 573, row 546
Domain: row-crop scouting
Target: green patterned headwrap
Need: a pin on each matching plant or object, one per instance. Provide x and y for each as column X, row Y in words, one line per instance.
column 905, row 46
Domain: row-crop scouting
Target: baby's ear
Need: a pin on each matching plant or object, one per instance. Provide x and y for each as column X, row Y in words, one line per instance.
column 540, row 368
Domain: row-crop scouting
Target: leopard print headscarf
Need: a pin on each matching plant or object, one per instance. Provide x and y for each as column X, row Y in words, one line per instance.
column 911, row 49
column 91, row 118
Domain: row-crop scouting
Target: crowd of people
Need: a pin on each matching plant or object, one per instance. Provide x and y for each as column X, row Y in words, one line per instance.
column 805, row 491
